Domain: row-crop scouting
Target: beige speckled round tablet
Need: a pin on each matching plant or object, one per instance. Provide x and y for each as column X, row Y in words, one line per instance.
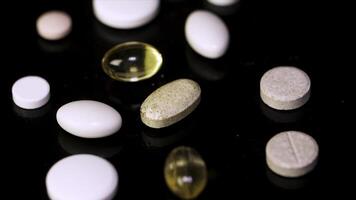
column 285, row 88
column 170, row 103
column 292, row 154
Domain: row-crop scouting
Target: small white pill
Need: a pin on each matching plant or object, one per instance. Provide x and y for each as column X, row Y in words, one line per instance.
column 82, row 177
column 222, row 2
column 285, row 88
column 89, row 119
column 207, row 34
column 292, row 154
column 30, row 92
column 54, row 25
column 125, row 14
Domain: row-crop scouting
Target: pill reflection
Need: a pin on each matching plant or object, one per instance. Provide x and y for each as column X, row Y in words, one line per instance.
column 286, row 183
column 54, row 47
column 281, row 116
column 107, row 37
column 223, row 10
column 207, row 69
column 32, row 113
column 158, row 138
column 106, row 147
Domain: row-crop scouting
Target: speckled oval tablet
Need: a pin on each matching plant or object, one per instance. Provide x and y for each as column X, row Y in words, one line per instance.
column 285, row 88
column 292, row 154
column 170, row 103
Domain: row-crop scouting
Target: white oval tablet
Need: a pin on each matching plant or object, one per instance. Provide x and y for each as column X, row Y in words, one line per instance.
column 82, row 177
column 285, row 88
column 54, row 25
column 125, row 14
column 89, row 119
column 30, row 92
column 291, row 153
column 207, row 34
column 222, row 2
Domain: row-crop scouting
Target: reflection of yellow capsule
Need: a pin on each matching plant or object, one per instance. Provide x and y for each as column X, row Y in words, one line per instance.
column 185, row 172
column 132, row 62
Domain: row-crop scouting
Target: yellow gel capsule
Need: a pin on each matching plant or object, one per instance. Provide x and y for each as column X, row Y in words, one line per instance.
column 132, row 61
column 185, row 172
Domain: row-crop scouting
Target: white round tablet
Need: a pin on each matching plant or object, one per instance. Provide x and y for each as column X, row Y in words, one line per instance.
column 54, row 25
column 292, row 154
column 222, row 2
column 207, row 34
column 285, row 88
column 125, row 14
column 30, row 92
column 82, row 177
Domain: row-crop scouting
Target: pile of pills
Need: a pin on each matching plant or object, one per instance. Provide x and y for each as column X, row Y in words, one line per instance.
column 84, row 176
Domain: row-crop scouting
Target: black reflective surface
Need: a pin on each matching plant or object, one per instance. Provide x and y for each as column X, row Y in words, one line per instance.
column 229, row 128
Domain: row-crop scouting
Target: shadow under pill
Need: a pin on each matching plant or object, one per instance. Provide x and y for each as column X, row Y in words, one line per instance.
column 158, row 138
column 103, row 147
column 282, row 116
column 110, row 36
column 31, row 113
column 54, row 46
column 127, row 95
column 223, row 10
column 287, row 183
column 207, row 69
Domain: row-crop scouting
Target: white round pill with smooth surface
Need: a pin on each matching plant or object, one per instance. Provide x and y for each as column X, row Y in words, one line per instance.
column 30, row 92
column 292, row 154
column 285, row 88
column 54, row 25
column 82, row 177
column 207, row 34
column 222, row 2
column 125, row 14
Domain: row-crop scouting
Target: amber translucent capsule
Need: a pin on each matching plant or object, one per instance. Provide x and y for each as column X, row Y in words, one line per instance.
column 185, row 172
column 132, row 61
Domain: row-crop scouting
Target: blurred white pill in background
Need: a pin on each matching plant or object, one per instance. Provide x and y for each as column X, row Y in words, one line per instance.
column 54, row 25
column 125, row 14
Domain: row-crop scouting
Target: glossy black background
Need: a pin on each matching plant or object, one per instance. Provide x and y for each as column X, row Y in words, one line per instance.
column 230, row 127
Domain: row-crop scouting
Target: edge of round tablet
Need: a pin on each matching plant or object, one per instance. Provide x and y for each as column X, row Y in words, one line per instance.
column 54, row 25
column 30, row 92
column 292, row 154
column 89, row 119
column 222, row 2
column 82, row 176
column 285, row 88
column 125, row 14
column 207, row 34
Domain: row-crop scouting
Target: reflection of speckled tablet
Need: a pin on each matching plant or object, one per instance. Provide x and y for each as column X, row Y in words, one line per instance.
column 285, row 88
column 292, row 154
